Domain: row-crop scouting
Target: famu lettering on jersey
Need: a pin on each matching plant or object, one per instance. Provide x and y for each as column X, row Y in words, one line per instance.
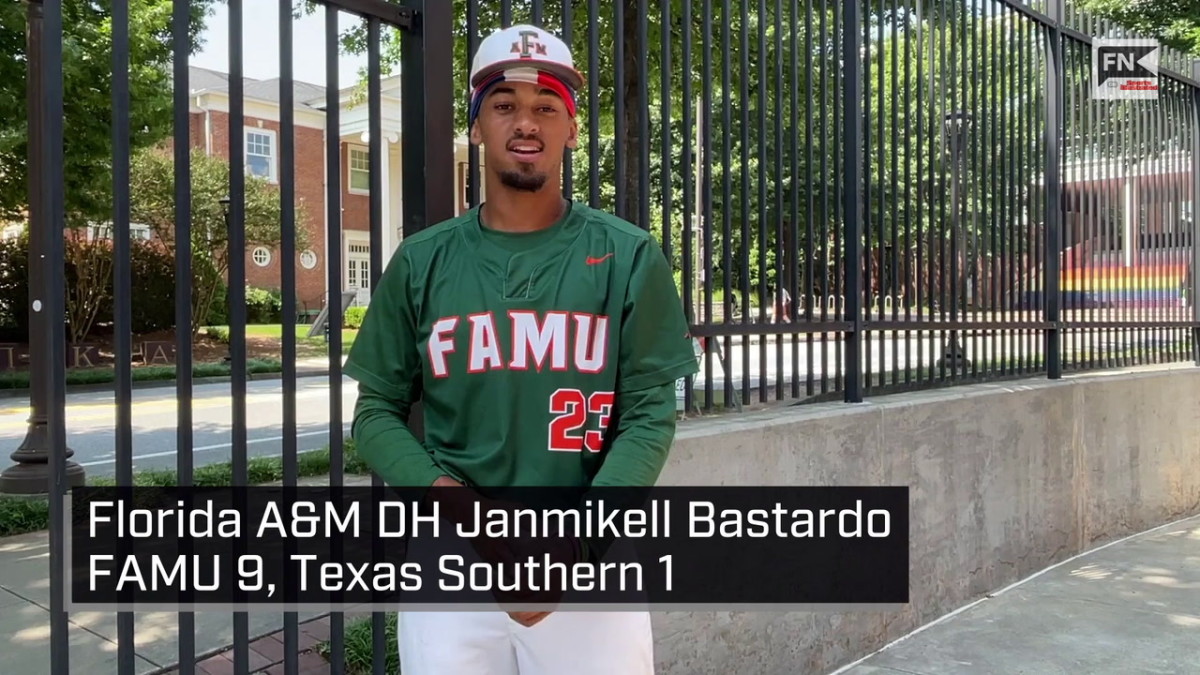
column 546, row 358
column 557, row 341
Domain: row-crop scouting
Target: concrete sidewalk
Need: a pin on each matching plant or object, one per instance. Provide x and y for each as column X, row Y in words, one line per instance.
column 1129, row 607
column 25, row 624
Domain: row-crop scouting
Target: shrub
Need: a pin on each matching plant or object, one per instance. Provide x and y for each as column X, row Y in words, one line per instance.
column 14, row 289
column 153, row 274
column 218, row 310
column 263, row 305
column 354, row 317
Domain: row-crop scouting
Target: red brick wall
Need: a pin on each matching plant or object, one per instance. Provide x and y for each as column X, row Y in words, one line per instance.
column 310, row 197
column 356, row 208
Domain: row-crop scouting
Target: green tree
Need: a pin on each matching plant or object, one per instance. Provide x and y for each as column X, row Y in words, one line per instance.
column 1175, row 23
column 87, row 97
column 152, row 184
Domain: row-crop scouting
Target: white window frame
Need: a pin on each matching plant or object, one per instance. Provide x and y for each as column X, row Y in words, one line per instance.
column 355, row 238
column 261, row 249
column 273, row 161
column 350, row 170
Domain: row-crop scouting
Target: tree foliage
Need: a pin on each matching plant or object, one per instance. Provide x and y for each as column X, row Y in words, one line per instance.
column 153, row 204
column 87, row 97
column 1175, row 23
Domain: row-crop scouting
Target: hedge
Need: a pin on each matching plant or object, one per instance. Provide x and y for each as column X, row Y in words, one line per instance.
column 21, row 515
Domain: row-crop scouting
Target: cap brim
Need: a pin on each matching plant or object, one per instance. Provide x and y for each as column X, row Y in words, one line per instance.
column 572, row 77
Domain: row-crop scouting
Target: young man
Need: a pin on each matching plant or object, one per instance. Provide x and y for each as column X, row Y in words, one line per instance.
column 544, row 338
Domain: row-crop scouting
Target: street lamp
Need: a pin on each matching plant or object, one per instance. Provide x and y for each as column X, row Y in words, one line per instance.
column 32, row 472
column 956, row 125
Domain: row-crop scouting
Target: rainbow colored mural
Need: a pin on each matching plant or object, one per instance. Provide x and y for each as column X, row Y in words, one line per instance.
column 1156, row 280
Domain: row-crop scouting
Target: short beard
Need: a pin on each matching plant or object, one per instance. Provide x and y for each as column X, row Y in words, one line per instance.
column 520, row 180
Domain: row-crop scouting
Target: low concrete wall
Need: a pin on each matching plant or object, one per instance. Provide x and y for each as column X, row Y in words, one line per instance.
column 1005, row 480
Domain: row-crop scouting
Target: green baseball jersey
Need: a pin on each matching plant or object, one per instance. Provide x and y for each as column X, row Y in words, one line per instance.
column 521, row 346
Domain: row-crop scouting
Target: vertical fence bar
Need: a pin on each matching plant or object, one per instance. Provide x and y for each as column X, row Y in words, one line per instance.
column 807, row 294
column 852, row 196
column 1194, row 235
column 870, row 124
column 828, row 163
column 704, row 205
column 890, row 274
column 593, row 86
column 726, row 198
column 568, row 37
column 237, row 293
column 53, row 369
column 686, row 159
column 376, row 158
column 908, row 189
column 473, row 173
column 122, row 283
column 621, row 130
column 643, row 116
column 181, row 43
column 744, row 152
column 1053, row 94
column 537, row 13
column 783, row 246
column 287, row 255
column 764, row 303
column 506, row 17
column 664, row 105
column 333, row 293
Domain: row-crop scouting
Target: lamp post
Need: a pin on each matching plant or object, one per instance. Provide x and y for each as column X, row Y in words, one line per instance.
column 956, row 126
column 31, row 474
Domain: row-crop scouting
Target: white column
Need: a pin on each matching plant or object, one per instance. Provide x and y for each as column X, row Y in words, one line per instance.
column 386, row 202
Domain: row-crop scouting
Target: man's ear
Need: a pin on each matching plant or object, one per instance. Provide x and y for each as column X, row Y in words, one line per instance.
column 573, row 137
column 476, row 136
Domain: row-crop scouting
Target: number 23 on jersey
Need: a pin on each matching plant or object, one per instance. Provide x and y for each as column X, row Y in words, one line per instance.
column 570, row 428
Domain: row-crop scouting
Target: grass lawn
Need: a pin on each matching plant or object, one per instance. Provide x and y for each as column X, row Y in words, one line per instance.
column 265, row 334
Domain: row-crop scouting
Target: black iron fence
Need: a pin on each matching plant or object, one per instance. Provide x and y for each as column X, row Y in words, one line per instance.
column 857, row 198
column 984, row 215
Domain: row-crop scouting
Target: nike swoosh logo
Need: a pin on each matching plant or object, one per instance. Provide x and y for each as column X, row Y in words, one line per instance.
column 597, row 261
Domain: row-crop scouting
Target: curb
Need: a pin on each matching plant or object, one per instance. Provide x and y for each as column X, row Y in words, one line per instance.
column 163, row 384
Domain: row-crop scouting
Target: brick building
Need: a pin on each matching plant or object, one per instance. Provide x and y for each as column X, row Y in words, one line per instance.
column 210, row 129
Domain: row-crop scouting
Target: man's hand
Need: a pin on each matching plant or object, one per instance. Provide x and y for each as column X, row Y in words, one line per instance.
column 528, row 619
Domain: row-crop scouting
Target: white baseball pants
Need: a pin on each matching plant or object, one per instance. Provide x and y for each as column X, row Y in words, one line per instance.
column 491, row 643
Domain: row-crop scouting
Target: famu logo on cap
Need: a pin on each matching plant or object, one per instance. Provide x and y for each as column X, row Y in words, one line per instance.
column 524, row 46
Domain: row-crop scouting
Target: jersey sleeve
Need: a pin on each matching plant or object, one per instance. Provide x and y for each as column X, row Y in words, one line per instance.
column 655, row 342
column 385, row 356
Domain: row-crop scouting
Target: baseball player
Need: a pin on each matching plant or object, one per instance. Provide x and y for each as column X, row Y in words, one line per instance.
column 544, row 338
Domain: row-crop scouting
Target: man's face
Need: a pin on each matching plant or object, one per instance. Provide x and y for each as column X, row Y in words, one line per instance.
column 524, row 129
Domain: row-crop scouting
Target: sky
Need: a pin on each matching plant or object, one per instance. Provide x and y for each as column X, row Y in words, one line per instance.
column 260, row 44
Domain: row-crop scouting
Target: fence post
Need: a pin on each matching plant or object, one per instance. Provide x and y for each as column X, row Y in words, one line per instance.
column 852, row 195
column 1194, row 265
column 427, row 130
column 1053, row 229
column 33, row 469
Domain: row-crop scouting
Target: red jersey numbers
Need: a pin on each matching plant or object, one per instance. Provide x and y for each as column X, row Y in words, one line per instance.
column 572, row 410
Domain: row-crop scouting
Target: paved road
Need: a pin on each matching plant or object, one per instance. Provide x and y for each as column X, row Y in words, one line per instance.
column 91, row 418
column 91, row 423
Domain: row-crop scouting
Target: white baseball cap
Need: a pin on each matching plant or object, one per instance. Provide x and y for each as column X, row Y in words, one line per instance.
column 524, row 46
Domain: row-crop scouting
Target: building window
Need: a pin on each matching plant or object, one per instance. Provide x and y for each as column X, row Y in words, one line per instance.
column 360, row 170
column 261, row 256
column 308, row 259
column 260, row 153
